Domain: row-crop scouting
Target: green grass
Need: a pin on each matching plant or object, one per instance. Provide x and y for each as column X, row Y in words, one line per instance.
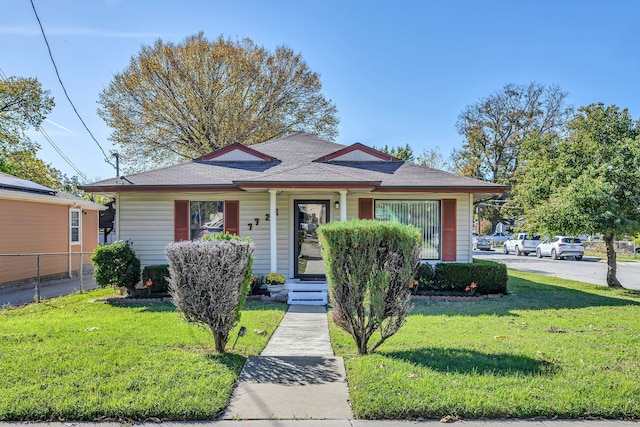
column 70, row 358
column 553, row 348
column 620, row 256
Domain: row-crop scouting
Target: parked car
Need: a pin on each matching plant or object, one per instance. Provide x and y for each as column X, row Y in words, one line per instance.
column 521, row 244
column 496, row 238
column 560, row 247
column 480, row 243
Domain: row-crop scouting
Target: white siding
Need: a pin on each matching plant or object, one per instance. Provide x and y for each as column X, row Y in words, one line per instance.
column 463, row 224
column 147, row 220
column 357, row 156
column 237, row 156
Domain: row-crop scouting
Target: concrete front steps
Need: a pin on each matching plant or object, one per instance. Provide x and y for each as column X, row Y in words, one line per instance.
column 302, row 292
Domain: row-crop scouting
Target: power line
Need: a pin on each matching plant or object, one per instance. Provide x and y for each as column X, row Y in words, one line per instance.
column 64, row 89
column 64, row 157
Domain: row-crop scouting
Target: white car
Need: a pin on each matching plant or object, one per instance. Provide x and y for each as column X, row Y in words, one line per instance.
column 560, row 247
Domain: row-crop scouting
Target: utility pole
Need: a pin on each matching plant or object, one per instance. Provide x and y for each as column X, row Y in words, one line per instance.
column 117, row 156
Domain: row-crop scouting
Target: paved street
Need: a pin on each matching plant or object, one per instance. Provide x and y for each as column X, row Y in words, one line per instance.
column 590, row 270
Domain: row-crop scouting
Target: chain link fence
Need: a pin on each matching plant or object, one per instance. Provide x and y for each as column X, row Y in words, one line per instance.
column 621, row 247
column 40, row 269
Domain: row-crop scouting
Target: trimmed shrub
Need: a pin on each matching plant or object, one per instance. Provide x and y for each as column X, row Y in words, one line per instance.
column 490, row 277
column 424, row 278
column 158, row 275
column 116, row 265
column 209, row 281
column 370, row 267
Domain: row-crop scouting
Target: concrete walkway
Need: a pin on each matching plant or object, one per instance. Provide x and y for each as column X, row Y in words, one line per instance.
column 296, row 376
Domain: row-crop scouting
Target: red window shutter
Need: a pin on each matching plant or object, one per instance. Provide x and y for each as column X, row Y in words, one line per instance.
column 365, row 208
column 232, row 216
column 449, row 220
column 180, row 220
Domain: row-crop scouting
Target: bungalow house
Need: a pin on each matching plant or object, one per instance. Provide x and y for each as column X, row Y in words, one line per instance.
column 280, row 191
column 38, row 220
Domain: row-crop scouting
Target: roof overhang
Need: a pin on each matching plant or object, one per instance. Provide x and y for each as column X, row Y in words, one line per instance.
column 112, row 189
column 54, row 200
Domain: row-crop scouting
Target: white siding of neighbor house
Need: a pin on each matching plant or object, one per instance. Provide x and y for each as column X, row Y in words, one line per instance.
column 147, row 220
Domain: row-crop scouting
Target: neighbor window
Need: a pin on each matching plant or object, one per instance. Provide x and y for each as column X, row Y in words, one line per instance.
column 423, row 214
column 74, row 226
column 205, row 218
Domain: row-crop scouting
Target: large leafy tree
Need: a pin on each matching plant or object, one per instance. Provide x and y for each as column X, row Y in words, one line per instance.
column 431, row 158
column 179, row 101
column 23, row 106
column 494, row 128
column 587, row 182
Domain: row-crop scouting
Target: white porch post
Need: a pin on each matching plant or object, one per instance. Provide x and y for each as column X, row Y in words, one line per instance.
column 343, row 205
column 273, row 231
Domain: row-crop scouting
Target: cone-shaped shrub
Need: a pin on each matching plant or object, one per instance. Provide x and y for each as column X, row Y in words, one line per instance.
column 369, row 267
column 209, row 282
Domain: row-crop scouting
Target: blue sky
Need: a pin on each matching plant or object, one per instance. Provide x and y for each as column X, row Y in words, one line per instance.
column 400, row 72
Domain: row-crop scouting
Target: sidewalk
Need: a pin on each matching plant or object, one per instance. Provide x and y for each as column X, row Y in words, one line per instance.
column 25, row 293
column 296, row 376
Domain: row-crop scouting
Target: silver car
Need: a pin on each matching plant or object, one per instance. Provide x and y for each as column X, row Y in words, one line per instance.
column 561, row 247
column 480, row 243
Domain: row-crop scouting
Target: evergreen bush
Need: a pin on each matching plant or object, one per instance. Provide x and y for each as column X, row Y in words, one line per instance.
column 370, row 266
column 116, row 265
column 490, row 277
column 209, row 281
column 157, row 275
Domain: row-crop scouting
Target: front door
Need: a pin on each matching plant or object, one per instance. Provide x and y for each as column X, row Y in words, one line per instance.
column 309, row 215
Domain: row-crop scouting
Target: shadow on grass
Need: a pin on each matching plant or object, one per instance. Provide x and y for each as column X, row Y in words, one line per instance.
column 165, row 306
column 232, row 361
column 532, row 295
column 473, row 362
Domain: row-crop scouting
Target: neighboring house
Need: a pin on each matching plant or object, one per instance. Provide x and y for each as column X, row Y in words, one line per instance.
column 507, row 225
column 504, row 225
column 38, row 220
column 279, row 192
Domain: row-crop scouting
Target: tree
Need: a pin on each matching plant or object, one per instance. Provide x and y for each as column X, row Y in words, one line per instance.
column 209, row 281
column 23, row 106
column 403, row 153
column 494, row 128
column 370, row 266
column 431, row 158
column 180, row 101
column 587, row 182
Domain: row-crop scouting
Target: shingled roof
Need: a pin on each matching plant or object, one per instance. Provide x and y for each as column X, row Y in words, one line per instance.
column 296, row 161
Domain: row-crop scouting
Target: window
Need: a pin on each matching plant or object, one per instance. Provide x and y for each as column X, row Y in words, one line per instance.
column 423, row 214
column 74, row 226
column 205, row 218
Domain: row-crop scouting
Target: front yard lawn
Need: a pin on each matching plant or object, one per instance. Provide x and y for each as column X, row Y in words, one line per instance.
column 553, row 348
column 69, row 358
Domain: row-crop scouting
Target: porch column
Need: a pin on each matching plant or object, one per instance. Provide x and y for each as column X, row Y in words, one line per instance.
column 273, row 230
column 343, row 205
